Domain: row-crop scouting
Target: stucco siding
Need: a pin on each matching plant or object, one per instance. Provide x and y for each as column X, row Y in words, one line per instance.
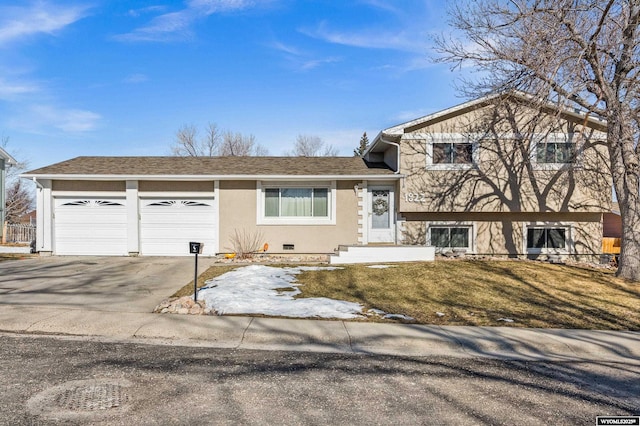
column 176, row 186
column 239, row 213
column 88, row 185
column 504, row 176
column 505, row 234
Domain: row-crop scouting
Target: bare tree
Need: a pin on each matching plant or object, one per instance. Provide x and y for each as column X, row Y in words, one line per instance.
column 577, row 53
column 312, row 146
column 239, row 145
column 19, row 201
column 187, row 143
column 19, row 198
column 214, row 143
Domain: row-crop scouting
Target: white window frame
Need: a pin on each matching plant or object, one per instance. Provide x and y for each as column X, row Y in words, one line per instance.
column 452, row 138
column 471, row 248
column 554, row 138
column 568, row 242
column 292, row 220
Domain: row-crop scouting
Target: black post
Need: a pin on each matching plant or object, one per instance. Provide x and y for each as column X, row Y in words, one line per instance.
column 195, row 281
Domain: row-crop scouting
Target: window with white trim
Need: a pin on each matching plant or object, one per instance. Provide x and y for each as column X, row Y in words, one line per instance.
column 286, row 203
column 450, row 152
column 444, row 236
column 547, row 238
column 296, row 202
column 554, row 152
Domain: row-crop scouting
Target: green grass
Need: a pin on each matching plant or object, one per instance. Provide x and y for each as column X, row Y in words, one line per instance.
column 479, row 292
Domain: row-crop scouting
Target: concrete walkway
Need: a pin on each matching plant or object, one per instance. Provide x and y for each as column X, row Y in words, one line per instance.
column 111, row 299
column 326, row 336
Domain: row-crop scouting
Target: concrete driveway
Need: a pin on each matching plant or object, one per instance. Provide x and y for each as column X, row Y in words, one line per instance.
column 113, row 284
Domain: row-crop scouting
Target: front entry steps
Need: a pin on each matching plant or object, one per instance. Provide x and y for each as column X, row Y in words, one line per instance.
column 376, row 254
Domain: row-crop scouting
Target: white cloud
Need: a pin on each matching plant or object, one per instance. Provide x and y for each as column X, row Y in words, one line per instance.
column 403, row 40
column 136, row 78
column 215, row 6
column 382, row 5
column 176, row 26
column 301, row 60
column 144, row 10
column 167, row 27
column 67, row 120
column 291, row 50
column 39, row 17
column 9, row 90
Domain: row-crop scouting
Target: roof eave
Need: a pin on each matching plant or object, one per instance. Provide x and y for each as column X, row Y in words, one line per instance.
column 8, row 158
column 209, row 177
column 399, row 129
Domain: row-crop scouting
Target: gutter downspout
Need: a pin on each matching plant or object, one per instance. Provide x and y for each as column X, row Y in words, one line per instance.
column 37, row 183
column 39, row 226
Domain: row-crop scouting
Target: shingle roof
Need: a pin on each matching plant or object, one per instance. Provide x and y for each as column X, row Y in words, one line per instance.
column 213, row 166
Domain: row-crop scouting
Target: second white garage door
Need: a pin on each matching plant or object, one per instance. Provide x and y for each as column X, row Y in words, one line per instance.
column 168, row 225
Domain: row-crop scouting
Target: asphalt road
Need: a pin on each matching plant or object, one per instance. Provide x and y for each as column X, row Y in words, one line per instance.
column 50, row 380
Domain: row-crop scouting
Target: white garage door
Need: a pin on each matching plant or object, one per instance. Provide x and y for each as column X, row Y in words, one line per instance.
column 90, row 226
column 168, row 225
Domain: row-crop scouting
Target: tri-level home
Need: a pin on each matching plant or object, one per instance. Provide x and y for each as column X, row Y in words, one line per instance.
column 502, row 175
column 499, row 176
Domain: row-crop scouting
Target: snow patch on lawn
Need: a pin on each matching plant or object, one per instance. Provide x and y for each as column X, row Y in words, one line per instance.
column 266, row 290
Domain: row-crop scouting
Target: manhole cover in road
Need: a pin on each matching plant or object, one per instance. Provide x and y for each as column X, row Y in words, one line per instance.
column 82, row 400
column 100, row 396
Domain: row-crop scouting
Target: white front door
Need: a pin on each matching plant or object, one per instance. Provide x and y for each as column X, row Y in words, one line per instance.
column 382, row 225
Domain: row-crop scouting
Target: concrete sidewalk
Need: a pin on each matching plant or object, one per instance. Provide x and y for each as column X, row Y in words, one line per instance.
column 326, row 336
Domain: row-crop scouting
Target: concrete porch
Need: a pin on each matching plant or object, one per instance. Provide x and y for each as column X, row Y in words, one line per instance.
column 381, row 254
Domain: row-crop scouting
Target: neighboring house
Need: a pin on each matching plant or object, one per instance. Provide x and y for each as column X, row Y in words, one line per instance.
column 500, row 176
column 612, row 230
column 612, row 223
column 156, row 205
column 6, row 160
column 495, row 176
column 28, row 218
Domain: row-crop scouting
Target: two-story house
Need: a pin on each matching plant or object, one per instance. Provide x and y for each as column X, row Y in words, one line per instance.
column 491, row 176
column 500, row 175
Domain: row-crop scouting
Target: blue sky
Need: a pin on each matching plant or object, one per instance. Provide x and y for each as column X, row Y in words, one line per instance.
column 115, row 77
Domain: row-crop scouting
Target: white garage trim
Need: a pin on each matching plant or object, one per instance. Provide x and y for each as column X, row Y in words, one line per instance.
column 90, row 225
column 168, row 224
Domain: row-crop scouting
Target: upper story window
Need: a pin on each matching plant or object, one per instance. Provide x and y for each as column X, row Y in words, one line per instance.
column 450, row 152
column 554, row 152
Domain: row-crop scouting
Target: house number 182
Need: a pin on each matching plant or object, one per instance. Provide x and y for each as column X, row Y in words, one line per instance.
column 415, row 197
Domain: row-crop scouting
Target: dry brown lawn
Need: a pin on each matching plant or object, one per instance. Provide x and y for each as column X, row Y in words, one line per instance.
column 481, row 292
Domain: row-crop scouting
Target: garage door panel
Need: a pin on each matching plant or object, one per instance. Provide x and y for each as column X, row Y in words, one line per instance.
column 90, row 226
column 167, row 226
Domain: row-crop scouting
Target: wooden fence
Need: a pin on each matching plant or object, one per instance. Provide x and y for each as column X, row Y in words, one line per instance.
column 18, row 233
column 611, row 245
